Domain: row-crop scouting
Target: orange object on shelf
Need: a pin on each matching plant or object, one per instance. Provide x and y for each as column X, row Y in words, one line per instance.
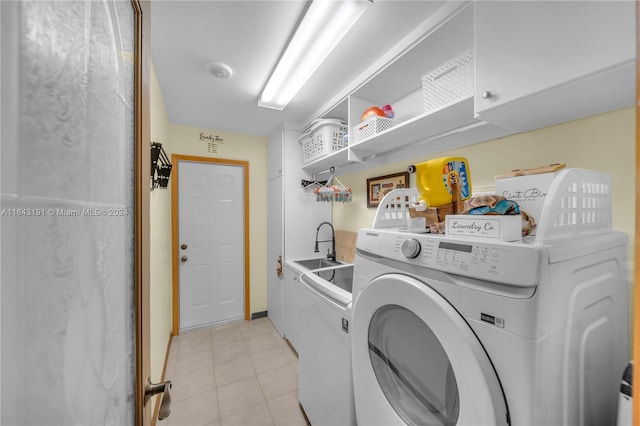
column 371, row 112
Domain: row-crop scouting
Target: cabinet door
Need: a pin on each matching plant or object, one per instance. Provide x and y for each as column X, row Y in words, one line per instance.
column 291, row 305
column 302, row 212
column 275, row 155
column 524, row 48
column 275, row 249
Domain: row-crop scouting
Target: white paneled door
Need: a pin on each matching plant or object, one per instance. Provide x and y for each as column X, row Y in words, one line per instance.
column 211, row 243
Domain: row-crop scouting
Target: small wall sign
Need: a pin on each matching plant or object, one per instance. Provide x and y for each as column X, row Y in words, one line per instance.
column 212, row 142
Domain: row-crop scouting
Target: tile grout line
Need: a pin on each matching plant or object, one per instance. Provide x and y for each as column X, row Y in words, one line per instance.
column 213, row 362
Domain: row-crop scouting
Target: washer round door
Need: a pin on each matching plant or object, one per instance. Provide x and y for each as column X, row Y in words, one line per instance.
column 416, row 361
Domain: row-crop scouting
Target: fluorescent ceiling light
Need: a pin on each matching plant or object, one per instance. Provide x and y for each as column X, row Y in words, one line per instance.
column 323, row 26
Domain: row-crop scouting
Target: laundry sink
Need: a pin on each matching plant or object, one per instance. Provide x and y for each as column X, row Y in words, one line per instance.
column 341, row 276
column 317, row 263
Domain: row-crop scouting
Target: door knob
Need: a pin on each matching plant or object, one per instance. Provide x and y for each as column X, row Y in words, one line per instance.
column 151, row 389
column 183, row 247
column 184, row 258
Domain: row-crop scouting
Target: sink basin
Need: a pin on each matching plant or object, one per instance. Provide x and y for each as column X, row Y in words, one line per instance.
column 317, row 263
column 341, row 277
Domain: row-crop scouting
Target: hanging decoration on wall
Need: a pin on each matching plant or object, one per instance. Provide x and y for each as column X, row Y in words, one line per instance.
column 212, row 141
column 160, row 167
column 333, row 190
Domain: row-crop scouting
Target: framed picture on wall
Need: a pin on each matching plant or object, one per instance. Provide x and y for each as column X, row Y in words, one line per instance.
column 378, row 187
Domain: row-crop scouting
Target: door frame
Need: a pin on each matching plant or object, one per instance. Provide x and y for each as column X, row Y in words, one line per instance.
column 635, row 336
column 142, row 167
column 175, row 160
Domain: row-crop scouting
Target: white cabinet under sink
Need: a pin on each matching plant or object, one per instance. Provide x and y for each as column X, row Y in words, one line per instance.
column 291, row 305
column 542, row 63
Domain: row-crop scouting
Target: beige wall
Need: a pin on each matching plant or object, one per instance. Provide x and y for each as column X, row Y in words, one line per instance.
column 160, row 246
column 605, row 142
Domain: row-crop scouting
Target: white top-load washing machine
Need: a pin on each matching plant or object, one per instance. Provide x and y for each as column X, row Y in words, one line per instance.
column 460, row 331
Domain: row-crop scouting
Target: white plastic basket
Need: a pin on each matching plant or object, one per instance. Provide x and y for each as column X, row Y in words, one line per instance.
column 371, row 127
column 578, row 204
column 321, row 138
column 393, row 210
column 449, row 83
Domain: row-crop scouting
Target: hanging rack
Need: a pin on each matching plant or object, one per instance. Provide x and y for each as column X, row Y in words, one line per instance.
column 330, row 190
column 160, row 166
column 312, row 185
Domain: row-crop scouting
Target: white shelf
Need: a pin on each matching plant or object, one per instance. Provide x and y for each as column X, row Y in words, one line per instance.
column 422, row 127
column 450, row 127
column 335, row 159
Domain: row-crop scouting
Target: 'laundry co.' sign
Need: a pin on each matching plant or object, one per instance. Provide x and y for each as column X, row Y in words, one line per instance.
column 212, row 141
column 505, row 228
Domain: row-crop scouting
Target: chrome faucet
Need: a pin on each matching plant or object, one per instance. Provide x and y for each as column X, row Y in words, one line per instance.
column 332, row 255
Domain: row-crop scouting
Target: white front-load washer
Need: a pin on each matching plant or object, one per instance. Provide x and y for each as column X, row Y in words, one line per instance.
column 458, row 331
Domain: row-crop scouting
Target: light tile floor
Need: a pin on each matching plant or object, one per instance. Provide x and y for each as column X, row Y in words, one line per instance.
column 242, row 373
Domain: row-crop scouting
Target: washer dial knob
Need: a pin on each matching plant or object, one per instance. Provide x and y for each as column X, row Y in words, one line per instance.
column 411, row 248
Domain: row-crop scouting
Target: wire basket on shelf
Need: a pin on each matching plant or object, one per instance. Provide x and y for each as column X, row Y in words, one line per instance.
column 371, row 127
column 451, row 82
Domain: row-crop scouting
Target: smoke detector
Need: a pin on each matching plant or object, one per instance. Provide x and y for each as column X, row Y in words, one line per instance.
column 219, row 69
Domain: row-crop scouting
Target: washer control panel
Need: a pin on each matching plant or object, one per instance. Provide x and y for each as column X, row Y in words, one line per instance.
column 509, row 263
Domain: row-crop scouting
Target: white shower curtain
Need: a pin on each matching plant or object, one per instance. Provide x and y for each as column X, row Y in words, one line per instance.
column 66, row 152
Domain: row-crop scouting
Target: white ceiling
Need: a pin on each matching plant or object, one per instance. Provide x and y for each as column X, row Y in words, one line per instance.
column 250, row 36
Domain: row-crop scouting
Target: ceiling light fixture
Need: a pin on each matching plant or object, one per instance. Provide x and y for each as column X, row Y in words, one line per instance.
column 325, row 23
column 219, row 69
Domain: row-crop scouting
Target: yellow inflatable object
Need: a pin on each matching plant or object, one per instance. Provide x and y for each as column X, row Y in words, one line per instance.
column 434, row 179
